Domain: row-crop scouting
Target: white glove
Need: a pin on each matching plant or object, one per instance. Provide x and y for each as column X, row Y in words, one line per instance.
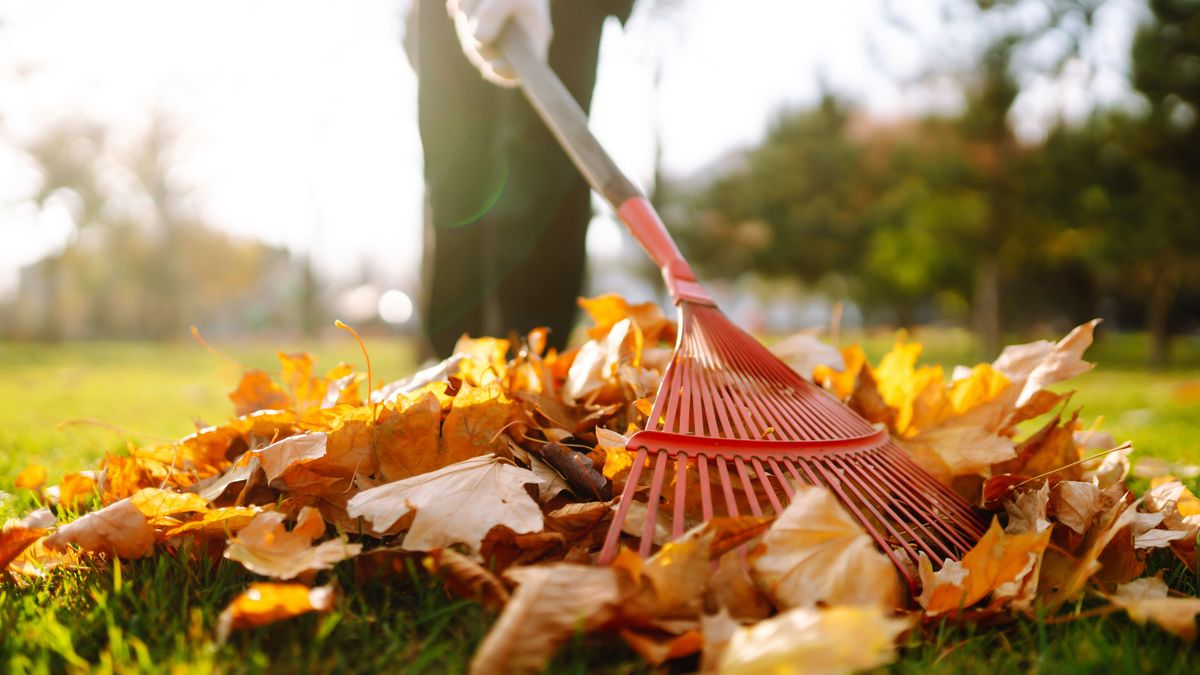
column 479, row 22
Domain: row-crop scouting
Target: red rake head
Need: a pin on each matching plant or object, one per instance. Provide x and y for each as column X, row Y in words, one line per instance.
column 730, row 413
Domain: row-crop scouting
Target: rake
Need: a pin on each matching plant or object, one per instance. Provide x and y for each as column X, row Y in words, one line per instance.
column 732, row 418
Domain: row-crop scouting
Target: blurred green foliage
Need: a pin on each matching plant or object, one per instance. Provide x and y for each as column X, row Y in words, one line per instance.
column 953, row 219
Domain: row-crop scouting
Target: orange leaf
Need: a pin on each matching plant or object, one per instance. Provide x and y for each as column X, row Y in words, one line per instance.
column 31, row 477
column 406, row 437
column 266, row 603
column 999, row 558
column 608, row 310
column 257, row 391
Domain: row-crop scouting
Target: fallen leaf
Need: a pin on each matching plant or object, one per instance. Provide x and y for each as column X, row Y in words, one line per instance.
column 1027, row 511
column 816, row 553
column 119, row 528
column 474, row 425
column 406, row 437
column 457, row 504
column 257, row 391
column 265, row 603
column 18, row 535
column 608, row 310
column 266, row 547
column 1041, row 364
column 32, row 477
column 809, row 641
column 467, row 578
column 216, row 522
column 1147, row 600
column 1075, row 504
column 551, row 603
column 997, row 560
column 156, row 504
column 804, row 352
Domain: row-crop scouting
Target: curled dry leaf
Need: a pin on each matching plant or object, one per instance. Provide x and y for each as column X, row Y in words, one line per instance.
column 816, row 553
column 1002, row 562
column 19, row 535
column 467, row 578
column 1075, row 504
column 1147, row 600
column 550, row 604
column 812, row 641
column 119, row 528
column 457, row 504
column 1027, row 511
column 265, row 603
column 266, row 547
column 257, row 391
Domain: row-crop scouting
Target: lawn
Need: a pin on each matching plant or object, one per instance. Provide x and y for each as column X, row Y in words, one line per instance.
column 159, row 614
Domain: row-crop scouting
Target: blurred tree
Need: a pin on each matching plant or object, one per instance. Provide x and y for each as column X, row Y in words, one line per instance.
column 139, row 263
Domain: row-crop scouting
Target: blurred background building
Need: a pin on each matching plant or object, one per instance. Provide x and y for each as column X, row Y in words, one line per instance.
column 253, row 167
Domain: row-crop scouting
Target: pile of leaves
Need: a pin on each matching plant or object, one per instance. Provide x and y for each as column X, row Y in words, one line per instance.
column 496, row 470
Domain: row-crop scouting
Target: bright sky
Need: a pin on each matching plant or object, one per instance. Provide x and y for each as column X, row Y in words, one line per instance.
column 297, row 118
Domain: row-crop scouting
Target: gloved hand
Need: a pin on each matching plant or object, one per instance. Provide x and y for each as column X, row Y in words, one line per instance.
column 479, row 22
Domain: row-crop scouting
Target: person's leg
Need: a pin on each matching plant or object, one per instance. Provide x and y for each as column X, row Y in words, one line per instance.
column 464, row 178
column 547, row 205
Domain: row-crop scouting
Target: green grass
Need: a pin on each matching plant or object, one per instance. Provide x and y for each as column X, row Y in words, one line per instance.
column 159, row 614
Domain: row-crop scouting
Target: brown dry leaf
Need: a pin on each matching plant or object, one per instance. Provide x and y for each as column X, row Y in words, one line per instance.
column 947, row 451
column 1063, row 577
column 808, row 641
column 550, row 604
column 266, row 547
column 1050, row 451
column 265, row 603
column 804, row 353
column 467, row 578
column 998, row 560
column 1075, row 504
column 118, row 528
column 32, row 477
column 1027, row 511
column 257, row 391
column 219, row 522
column 608, row 310
column 816, row 553
column 282, row 456
column 457, row 504
column 1040, row 364
column 406, row 437
column 1147, row 600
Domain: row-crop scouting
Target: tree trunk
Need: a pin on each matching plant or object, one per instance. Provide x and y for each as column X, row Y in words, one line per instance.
column 986, row 306
column 1158, row 313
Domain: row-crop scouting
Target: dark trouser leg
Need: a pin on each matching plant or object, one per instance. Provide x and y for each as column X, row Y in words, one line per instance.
column 508, row 213
column 463, row 178
column 542, row 288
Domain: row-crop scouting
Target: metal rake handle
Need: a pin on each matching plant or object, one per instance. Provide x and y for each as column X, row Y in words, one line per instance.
column 567, row 121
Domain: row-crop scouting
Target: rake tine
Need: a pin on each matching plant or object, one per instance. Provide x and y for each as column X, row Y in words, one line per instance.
column 766, row 481
column 656, row 484
column 730, row 503
column 856, row 486
column 783, row 481
column 706, row 508
column 614, row 531
column 910, row 497
column 740, row 465
column 681, row 467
